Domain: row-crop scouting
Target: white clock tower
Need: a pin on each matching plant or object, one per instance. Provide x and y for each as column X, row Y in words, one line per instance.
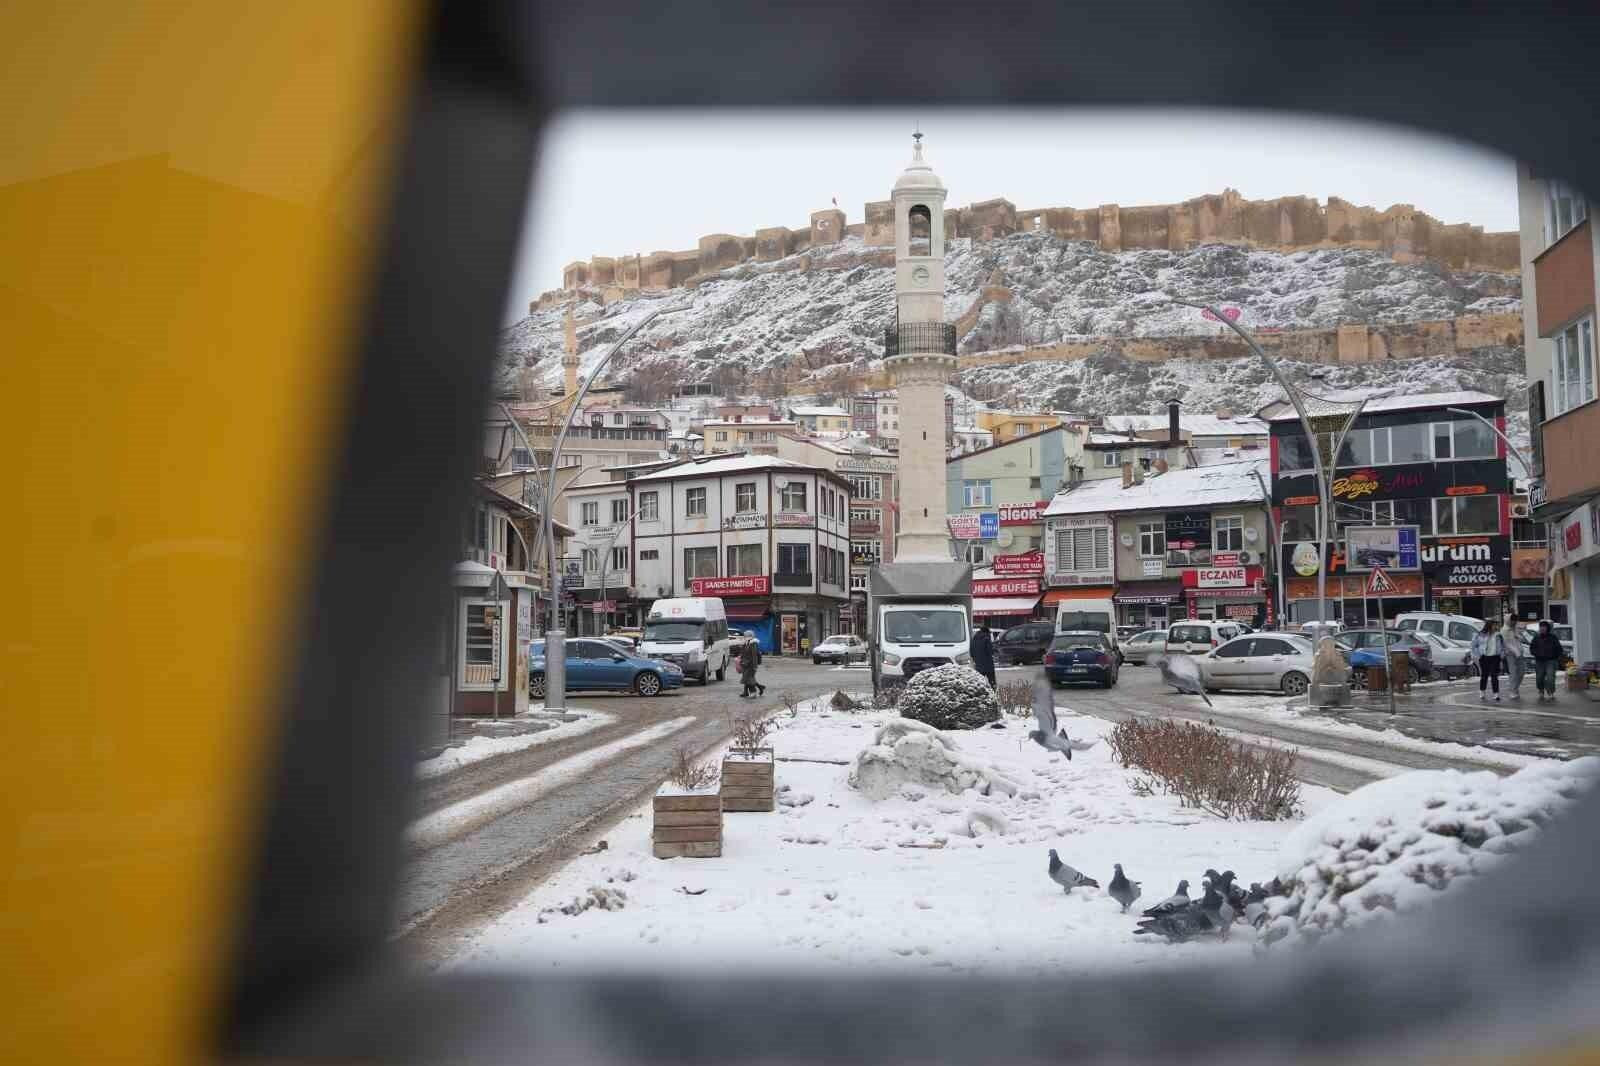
column 920, row 356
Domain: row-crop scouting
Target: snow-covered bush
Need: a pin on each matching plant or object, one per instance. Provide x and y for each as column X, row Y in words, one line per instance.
column 950, row 697
column 905, row 752
column 1394, row 845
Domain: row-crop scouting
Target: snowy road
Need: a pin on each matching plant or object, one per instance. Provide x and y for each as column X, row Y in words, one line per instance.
column 487, row 832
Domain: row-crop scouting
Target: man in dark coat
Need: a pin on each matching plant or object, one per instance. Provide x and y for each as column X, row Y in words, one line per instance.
column 983, row 655
column 749, row 659
column 1547, row 655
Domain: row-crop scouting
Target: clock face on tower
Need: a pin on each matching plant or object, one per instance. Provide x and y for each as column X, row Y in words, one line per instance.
column 920, row 274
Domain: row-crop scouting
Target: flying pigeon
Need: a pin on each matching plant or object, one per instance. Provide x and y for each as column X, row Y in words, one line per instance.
column 1121, row 889
column 1067, row 877
column 1175, row 902
column 1181, row 673
column 1049, row 735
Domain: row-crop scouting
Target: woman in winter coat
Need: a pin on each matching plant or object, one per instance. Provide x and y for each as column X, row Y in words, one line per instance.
column 1487, row 646
column 1516, row 664
column 749, row 659
column 1547, row 656
column 983, row 655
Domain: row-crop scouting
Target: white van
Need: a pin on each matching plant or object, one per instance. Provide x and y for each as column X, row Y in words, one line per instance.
column 1075, row 616
column 1197, row 636
column 691, row 632
column 1456, row 627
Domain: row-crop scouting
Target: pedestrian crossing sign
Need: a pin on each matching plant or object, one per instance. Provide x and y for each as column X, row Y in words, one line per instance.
column 1379, row 583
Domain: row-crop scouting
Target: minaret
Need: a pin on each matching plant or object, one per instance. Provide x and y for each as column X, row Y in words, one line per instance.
column 569, row 356
column 920, row 356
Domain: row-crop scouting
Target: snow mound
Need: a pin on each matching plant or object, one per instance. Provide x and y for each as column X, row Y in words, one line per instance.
column 950, row 697
column 912, row 753
column 1394, row 845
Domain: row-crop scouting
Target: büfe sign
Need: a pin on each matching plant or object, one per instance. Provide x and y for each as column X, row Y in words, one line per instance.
column 1015, row 586
column 729, row 586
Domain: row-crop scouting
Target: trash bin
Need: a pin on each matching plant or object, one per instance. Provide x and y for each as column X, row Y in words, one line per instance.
column 1400, row 670
column 1377, row 677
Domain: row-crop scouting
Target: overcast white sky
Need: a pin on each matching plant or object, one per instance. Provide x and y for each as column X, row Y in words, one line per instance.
column 621, row 183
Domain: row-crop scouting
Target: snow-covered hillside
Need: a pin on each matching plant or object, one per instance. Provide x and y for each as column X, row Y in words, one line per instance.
column 826, row 308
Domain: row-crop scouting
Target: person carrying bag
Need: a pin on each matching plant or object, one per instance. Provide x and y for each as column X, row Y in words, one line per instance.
column 1487, row 647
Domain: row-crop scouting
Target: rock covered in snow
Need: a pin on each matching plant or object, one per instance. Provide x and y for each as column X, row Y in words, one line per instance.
column 950, row 697
column 913, row 753
column 1396, row 844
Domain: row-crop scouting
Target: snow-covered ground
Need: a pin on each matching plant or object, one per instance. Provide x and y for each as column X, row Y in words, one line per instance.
column 920, row 881
column 476, row 749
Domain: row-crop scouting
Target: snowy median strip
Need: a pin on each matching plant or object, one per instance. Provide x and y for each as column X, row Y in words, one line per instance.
column 441, row 825
column 479, row 748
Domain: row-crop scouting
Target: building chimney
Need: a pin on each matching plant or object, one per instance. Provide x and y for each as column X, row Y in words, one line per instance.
column 1138, row 473
column 1127, row 474
column 1160, row 466
column 1174, row 434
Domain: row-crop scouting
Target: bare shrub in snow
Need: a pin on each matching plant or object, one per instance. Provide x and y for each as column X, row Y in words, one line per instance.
column 791, row 703
column 1396, row 844
column 606, row 899
column 908, row 752
column 1016, row 698
column 887, row 698
column 690, row 775
column 950, row 697
column 751, row 731
column 1205, row 769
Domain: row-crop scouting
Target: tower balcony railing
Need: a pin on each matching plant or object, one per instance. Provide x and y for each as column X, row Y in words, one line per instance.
column 909, row 338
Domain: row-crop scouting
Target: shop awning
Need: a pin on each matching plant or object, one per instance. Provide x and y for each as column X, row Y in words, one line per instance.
column 747, row 610
column 1149, row 591
column 996, row 605
column 1057, row 595
column 1246, row 593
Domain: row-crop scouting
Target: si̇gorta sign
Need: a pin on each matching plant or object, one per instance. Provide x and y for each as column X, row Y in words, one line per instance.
column 984, row 525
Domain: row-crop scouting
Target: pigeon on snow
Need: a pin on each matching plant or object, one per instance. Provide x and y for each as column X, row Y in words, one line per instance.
column 1049, row 736
column 1121, row 889
column 1232, row 892
column 1181, row 673
column 1255, row 906
column 1067, row 877
column 1188, row 921
column 1175, row 902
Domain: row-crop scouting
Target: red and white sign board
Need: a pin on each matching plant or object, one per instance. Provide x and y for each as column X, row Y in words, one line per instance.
column 1027, row 563
column 1379, row 583
column 603, row 606
column 730, row 586
column 1014, row 586
column 1220, row 577
column 1022, row 514
column 1224, row 558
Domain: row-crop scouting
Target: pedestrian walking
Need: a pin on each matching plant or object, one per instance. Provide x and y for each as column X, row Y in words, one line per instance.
column 1487, row 648
column 749, row 659
column 1515, row 653
column 1546, row 652
column 983, row 655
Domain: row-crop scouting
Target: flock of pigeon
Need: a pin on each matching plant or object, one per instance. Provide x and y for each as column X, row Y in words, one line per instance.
column 1179, row 918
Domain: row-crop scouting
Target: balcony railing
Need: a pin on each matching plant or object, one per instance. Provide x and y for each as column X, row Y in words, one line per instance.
column 910, row 338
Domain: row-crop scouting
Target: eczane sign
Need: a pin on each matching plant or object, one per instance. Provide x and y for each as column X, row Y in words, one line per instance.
column 1220, row 577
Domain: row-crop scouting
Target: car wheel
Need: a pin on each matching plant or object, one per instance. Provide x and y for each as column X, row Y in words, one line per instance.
column 1412, row 675
column 647, row 684
column 536, row 686
column 815, row 661
column 1295, row 683
column 1358, row 679
column 722, row 671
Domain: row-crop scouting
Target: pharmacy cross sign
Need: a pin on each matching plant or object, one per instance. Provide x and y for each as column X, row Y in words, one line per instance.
column 1379, row 583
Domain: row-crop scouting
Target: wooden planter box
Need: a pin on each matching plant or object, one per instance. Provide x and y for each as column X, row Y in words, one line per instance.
column 687, row 826
column 747, row 780
column 1577, row 682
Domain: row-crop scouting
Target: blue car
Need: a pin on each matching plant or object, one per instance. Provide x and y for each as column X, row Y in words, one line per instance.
column 1081, row 657
column 601, row 665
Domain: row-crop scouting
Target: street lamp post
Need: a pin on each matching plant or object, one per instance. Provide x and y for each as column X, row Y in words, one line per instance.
column 1528, row 469
column 555, row 638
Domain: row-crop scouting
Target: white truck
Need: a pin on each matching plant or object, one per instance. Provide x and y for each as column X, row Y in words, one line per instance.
column 1075, row 616
column 919, row 615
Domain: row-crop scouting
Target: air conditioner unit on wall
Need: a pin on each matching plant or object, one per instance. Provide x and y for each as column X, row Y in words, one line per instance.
column 1519, row 510
column 1247, row 558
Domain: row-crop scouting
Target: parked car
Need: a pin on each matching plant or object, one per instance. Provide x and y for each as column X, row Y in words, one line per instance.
column 1082, row 656
column 840, row 648
column 1450, row 658
column 1140, row 647
column 1279, row 662
column 1128, row 633
column 1025, row 643
column 1370, row 647
column 625, row 640
column 595, row 664
column 1451, row 626
column 1198, row 636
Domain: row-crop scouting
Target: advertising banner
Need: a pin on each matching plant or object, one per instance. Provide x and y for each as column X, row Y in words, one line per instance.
column 1022, row 514
column 755, row 585
column 988, row 525
column 1031, row 562
column 1464, row 477
column 1220, row 577
column 965, row 526
column 1188, row 530
column 1012, row 586
column 1390, row 547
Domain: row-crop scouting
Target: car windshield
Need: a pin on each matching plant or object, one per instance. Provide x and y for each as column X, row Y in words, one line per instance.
column 935, row 626
column 672, row 631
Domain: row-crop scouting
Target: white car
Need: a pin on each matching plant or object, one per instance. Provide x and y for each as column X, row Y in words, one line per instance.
column 1197, row 636
column 1452, row 658
column 1141, row 646
column 840, row 648
column 1277, row 662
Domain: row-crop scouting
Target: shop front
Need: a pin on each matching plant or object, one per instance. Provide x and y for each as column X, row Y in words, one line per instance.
column 1149, row 604
column 803, row 622
column 1460, row 575
column 747, row 601
column 1575, row 557
column 1227, row 592
column 1468, row 575
column 1529, row 567
column 1005, row 601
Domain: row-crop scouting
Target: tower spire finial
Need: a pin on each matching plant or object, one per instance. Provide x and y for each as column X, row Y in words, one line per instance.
column 916, row 144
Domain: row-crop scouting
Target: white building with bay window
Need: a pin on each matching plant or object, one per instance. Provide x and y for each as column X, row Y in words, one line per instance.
column 769, row 536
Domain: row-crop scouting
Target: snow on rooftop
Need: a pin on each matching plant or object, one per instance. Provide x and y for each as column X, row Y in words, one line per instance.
column 731, row 464
column 1199, row 425
column 814, row 412
column 1200, row 487
column 1404, row 402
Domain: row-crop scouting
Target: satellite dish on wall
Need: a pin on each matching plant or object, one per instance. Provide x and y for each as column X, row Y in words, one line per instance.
column 1006, row 538
column 1250, row 534
column 781, row 482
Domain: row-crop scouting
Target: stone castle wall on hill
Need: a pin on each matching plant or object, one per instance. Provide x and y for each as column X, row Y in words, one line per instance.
column 1288, row 223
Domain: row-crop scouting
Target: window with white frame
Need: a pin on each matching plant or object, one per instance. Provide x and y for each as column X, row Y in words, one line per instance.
column 591, row 560
column 867, row 550
column 858, row 582
column 619, row 512
column 1564, row 209
column 1227, row 533
column 591, row 512
column 1110, row 458
column 1572, row 372
column 619, row 559
column 792, row 497
column 866, row 487
column 794, row 559
column 979, row 493
column 1152, row 540
column 744, row 497
column 1461, row 515
column 744, row 560
column 694, row 503
column 699, row 562
column 1083, row 550
column 1465, row 439
column 862, row 514
column 977, row 554
column 721, row 436
column 649, row 555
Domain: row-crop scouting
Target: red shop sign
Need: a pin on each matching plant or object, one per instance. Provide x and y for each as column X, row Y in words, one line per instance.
column 1015, row 586
column 729, row 586
column 1022, row 514
column 1026, row 563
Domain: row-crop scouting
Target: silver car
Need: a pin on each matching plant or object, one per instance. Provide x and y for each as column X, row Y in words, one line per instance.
column 1277, row 662
column 1140, row 647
